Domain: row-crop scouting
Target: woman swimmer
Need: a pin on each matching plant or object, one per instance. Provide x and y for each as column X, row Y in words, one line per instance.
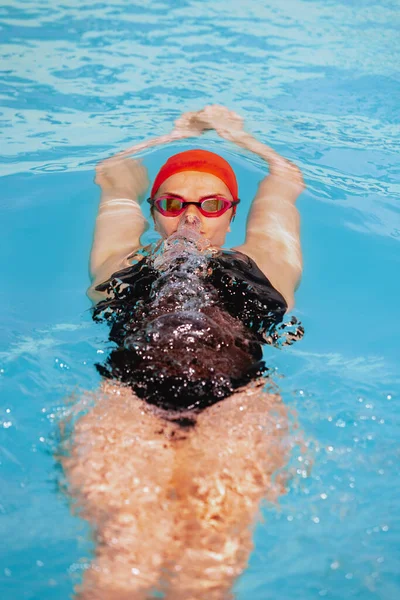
column 169, row 476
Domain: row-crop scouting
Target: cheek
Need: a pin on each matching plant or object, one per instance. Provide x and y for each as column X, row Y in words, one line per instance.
column 164, row 225
column 218, row 229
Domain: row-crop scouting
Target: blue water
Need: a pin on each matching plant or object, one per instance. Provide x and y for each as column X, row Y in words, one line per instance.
column 318, row 80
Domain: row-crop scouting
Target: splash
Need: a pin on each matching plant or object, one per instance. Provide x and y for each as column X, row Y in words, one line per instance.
column 182, row 263
column 188, row 326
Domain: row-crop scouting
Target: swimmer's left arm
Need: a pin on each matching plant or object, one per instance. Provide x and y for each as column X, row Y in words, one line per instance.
column 273, row 225
column 273, row 234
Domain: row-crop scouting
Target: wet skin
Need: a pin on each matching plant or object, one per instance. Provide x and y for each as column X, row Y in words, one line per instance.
column 170, row 504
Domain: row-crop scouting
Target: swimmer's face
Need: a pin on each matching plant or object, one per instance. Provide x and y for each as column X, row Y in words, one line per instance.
column 193, row 186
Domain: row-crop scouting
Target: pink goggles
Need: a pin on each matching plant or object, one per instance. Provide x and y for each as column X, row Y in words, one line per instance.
column 209, row 206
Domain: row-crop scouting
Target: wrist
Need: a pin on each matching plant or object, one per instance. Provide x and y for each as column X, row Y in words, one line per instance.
column 120, row 192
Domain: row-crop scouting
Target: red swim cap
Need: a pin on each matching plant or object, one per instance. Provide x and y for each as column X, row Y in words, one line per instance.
column 197, row 160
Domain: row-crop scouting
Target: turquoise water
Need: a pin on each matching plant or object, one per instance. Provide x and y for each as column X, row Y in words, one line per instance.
column 318, row 80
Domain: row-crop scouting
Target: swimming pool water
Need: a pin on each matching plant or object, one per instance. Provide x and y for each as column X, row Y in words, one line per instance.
column 319, row 81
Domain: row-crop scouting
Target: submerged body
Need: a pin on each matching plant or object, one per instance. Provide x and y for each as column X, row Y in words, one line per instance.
column 171, row 458
column 172, row 480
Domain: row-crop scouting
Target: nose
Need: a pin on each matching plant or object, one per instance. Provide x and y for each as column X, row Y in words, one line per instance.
column 192, row 217
column 191, row 221
column 192, row 209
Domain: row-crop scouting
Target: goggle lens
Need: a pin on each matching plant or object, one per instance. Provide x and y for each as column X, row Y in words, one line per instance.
column 214, row 206
column 169, row 204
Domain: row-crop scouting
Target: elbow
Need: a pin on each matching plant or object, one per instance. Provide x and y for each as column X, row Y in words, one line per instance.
column 290, row 173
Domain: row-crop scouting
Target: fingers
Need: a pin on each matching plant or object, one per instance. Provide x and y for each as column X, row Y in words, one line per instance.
column 214, row 116
column 217, row 110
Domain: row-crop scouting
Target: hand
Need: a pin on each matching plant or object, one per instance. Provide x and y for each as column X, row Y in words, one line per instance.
column 226, row 123
column 122, row 177
column 189, row 124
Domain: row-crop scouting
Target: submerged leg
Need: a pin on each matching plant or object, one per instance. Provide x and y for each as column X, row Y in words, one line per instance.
column 119, row 467
column 224, row 472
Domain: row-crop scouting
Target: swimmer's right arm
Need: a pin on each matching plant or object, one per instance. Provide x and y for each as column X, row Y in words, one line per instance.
column 120, row 221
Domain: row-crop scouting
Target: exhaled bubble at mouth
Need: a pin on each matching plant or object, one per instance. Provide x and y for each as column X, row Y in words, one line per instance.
column 186, row 242
column 188, row 229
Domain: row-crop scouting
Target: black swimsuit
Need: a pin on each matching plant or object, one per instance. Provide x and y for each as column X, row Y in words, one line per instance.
column 182, row 359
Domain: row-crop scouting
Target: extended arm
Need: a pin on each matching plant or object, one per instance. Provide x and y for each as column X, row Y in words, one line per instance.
column 120, row 221
column 273, row 226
